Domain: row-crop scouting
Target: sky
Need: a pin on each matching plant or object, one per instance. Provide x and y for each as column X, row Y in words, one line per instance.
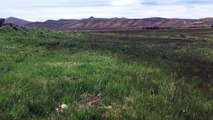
column 41, row 10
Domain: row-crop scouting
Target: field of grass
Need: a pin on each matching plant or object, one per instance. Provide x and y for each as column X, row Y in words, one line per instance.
column 143, row 75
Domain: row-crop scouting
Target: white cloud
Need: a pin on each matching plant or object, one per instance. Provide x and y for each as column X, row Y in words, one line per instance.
column 124, row 2
column 70, row 9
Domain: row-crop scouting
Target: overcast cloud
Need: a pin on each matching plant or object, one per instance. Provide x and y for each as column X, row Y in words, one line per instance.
column 40, row 10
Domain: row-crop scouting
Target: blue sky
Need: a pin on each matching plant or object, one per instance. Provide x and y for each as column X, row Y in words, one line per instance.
column 41, row 10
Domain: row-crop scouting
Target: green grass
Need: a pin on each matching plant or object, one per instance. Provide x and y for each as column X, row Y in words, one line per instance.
column 121, row 75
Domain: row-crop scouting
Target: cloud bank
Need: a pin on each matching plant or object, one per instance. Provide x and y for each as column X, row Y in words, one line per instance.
column 40, row 10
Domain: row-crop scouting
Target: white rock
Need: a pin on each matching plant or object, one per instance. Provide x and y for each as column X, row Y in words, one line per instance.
column 64, row 106
column 108, row 107
column 57, row 109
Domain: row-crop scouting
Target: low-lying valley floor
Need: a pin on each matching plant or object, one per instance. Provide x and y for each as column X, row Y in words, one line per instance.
column 138, row 75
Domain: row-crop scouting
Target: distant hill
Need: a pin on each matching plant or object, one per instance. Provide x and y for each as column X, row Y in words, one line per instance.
column 1, row 21
column 121, row 23
column 16, row 21
column 93, row 23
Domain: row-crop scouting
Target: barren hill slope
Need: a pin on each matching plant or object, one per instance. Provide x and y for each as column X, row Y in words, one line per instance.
column 121, row 23
column 16, row 21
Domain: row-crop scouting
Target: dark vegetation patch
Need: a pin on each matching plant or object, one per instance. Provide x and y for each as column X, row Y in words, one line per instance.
column 180, row 56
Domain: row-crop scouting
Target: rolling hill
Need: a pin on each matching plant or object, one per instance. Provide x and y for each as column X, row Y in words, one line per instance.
column 93, row 23
column 121, row 23
column 16, row 21
column 1, row 21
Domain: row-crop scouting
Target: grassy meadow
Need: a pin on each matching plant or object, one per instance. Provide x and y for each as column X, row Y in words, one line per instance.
column 123, row 75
